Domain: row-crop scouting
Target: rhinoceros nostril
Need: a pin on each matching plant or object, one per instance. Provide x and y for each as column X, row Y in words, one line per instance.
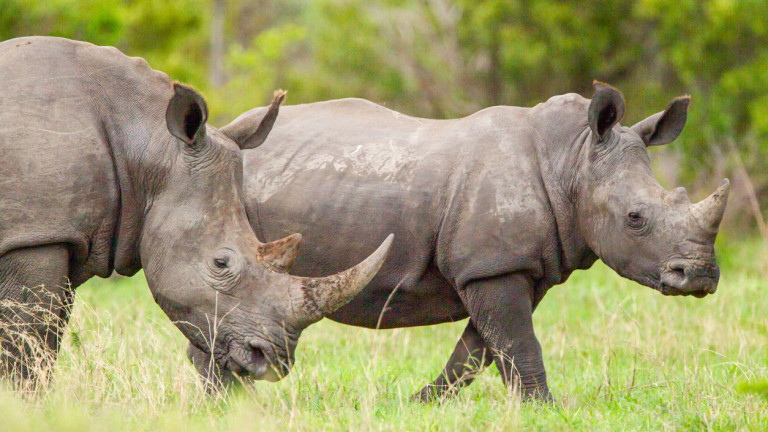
column 675, row 276
column 256, row 353
column 680, row 273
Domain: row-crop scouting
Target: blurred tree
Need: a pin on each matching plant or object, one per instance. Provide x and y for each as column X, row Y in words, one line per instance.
column 171, row 34
column 718, row 51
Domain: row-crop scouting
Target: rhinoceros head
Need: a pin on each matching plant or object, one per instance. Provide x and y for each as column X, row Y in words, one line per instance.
column 651, row 235
column 225, row 290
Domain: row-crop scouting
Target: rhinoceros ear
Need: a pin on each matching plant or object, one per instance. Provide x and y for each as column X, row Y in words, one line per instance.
column 664, row 127
column 605, row 110
column 281, row 253
column 250, row 131
column 186, row 115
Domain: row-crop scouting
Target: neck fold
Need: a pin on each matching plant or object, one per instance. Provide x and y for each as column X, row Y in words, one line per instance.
column 132, row 117
column 561, row 160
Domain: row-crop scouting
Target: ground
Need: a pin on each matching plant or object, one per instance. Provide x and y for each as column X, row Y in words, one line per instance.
column 619, row 357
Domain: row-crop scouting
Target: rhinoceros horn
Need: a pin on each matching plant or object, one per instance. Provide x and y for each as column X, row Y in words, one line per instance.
column 320, row 296
column 709, row 212
column 281, row 253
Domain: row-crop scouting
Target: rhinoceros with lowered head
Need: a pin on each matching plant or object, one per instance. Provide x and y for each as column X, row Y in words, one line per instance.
column 489, row 212
column 108, row 165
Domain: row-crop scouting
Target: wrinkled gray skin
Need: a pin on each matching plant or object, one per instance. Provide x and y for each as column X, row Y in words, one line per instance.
column 489, row 212
column 109, row 166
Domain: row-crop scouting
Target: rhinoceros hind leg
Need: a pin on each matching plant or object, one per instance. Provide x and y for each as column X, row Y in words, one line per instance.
column 469, row 358
column 35, row 302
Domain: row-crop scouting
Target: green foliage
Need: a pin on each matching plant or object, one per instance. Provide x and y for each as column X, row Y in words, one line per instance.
column 95, row 21
column 716, row 50
column 171, row 34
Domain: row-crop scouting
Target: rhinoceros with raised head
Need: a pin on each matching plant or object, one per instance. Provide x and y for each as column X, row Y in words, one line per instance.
column 107, row 165
column 489, row 212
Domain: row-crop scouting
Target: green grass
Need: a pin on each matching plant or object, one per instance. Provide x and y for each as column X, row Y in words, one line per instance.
column 619, row 357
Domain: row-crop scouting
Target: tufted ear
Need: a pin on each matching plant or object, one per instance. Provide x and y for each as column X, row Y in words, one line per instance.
column 664, row 127
column 605, row 110
column 186, row 115
column 281, row 253
column 250, row 131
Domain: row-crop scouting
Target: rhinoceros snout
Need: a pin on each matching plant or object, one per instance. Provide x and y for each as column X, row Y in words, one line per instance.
column 686, row 278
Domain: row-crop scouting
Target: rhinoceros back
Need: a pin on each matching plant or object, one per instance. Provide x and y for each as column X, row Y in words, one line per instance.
column 346, row 159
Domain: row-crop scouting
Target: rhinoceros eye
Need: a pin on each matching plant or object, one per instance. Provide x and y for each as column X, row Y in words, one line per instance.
column 635, row 220
column 224, row 258
column 224, row 270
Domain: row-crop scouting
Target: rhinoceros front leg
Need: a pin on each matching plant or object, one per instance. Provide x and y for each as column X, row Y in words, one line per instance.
column 468, row 358
column 501, row 309
column 35, row 302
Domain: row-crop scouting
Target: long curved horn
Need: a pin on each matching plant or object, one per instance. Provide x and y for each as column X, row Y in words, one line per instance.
column 709, row 212
column 321, row 296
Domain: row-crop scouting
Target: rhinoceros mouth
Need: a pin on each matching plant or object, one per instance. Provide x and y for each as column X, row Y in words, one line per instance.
column 247, row 362
column 682, row 278
column 671, row 291
column 678, row 285
column 252, row 361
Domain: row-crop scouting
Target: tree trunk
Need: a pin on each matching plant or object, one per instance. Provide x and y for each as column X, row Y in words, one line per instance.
column 216, row 65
